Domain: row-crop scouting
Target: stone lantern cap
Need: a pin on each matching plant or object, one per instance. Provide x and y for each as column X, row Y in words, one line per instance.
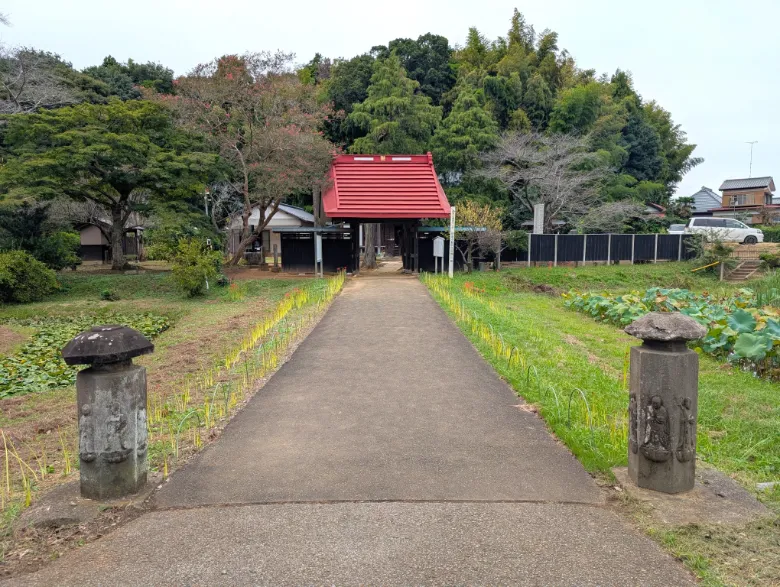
column 101, row 345
column 666, row 327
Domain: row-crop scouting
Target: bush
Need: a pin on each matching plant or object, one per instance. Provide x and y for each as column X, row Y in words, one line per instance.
column 24, row 279
column 59, row 250
column 709, row 251
column 194, row 265
column 771, row 233
column 770, row 260
column 108, row 295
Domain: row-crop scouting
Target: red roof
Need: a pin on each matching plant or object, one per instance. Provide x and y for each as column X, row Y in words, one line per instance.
column 385, row 186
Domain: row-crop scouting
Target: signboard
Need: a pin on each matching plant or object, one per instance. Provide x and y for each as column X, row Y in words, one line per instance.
column 438, row 246
column 538, row 218
column 451, row 265
column 318, row 248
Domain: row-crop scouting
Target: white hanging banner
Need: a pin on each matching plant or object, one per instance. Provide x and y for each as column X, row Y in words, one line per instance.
column 538, row 218
column 451, row 264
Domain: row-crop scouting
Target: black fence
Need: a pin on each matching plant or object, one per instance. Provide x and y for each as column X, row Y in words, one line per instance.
column 298, row 251
column 636, row 248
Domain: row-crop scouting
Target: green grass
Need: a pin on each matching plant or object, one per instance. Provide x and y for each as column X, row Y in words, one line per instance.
column 574, row 369
column 612, row 277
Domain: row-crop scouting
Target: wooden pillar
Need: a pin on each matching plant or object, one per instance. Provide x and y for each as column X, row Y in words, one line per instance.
column 355, row 248
column 416, row 248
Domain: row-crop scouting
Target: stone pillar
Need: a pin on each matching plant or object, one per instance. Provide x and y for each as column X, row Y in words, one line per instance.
column 112, row 410
column 663, row 402
column 276, row 258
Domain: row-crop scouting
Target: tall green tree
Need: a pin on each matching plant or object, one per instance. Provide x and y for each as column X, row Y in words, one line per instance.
column 125, row 79
column 396, row 118
column 467, row 131
column 537, row 101
column 120, row 155
column 347, row 85
column 428, row 62
column 677, row 153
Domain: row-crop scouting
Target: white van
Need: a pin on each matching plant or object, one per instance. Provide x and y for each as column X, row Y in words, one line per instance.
column 725, row 229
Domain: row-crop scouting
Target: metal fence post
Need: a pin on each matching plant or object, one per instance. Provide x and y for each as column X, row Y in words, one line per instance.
column 655, row 252
column 633, row 240
column 555, row 262
column 679, row 249
column 584, row 247
column 529, row 249
column 609, row 249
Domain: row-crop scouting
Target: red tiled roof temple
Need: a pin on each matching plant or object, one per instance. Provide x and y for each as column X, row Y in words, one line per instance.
column 385, row 186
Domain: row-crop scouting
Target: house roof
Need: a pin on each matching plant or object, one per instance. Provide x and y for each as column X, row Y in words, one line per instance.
column 299, row 213
column 385, row 186
column 706, row 199
column 748, row 183
column 744, row 208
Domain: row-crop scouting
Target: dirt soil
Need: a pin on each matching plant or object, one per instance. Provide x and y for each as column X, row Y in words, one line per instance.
column 10, row 339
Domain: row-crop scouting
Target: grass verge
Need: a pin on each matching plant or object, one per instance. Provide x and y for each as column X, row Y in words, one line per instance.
column 220, row 348
column 575, row 371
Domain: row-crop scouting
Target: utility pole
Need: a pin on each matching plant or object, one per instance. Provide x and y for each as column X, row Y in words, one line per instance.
column 751, row 143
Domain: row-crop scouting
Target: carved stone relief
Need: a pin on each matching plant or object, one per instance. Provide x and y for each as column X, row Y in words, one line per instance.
column 656, row 445
column 686, row 442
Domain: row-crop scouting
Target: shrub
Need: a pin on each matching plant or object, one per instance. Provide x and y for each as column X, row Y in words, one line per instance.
column 770, row 260
column 194, row 265
column 709, row 251
column 108, row 295
column 24, row 279
column 771, row 233
column 59, row 250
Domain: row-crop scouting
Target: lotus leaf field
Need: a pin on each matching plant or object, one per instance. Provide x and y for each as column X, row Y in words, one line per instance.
column 38, row 364
column 737, row 330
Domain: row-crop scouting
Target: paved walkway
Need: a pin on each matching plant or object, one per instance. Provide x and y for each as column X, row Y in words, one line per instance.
column 385, row 452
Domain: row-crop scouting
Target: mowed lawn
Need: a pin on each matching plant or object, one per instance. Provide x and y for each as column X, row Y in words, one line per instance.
column 574, row 371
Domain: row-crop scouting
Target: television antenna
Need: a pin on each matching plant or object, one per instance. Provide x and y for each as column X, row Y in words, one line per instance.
column 751, row 143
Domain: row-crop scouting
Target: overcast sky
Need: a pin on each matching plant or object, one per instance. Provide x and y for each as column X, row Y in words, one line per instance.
column 713, row 63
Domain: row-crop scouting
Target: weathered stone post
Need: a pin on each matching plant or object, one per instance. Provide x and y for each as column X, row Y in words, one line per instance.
column 112, row 410
column 663, row 402
column 276, row 258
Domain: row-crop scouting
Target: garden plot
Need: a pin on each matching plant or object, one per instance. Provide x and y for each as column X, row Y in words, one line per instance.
column 739, row 328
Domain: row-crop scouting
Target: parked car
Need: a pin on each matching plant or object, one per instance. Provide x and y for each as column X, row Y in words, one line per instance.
column 725, row 229
column 676, row 228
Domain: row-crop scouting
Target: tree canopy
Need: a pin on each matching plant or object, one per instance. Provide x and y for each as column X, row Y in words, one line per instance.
column 396, row 118
column 127, row 135
column 119, row 156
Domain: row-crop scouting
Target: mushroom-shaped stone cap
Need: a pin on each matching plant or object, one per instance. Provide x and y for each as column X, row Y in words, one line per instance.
column 106, row 344
column 666, row 327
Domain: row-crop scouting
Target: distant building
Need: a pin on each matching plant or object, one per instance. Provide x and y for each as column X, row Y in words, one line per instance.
column 746, row 198
column 286, row 216
column 656, row 210
column 705, row 200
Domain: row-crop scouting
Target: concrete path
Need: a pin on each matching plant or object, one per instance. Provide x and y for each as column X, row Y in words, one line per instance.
column 385, row 452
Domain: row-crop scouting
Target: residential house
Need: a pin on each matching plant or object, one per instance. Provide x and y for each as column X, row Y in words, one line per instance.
column 96, row 247
column 747, row 199
column 706, row 200
column 286, row 216
column 656, row 210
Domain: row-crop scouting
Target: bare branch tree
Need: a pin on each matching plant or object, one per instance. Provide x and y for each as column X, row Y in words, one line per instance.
column 29, row 80
column 554, row 170
column 266, row 126
column 611, row 217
